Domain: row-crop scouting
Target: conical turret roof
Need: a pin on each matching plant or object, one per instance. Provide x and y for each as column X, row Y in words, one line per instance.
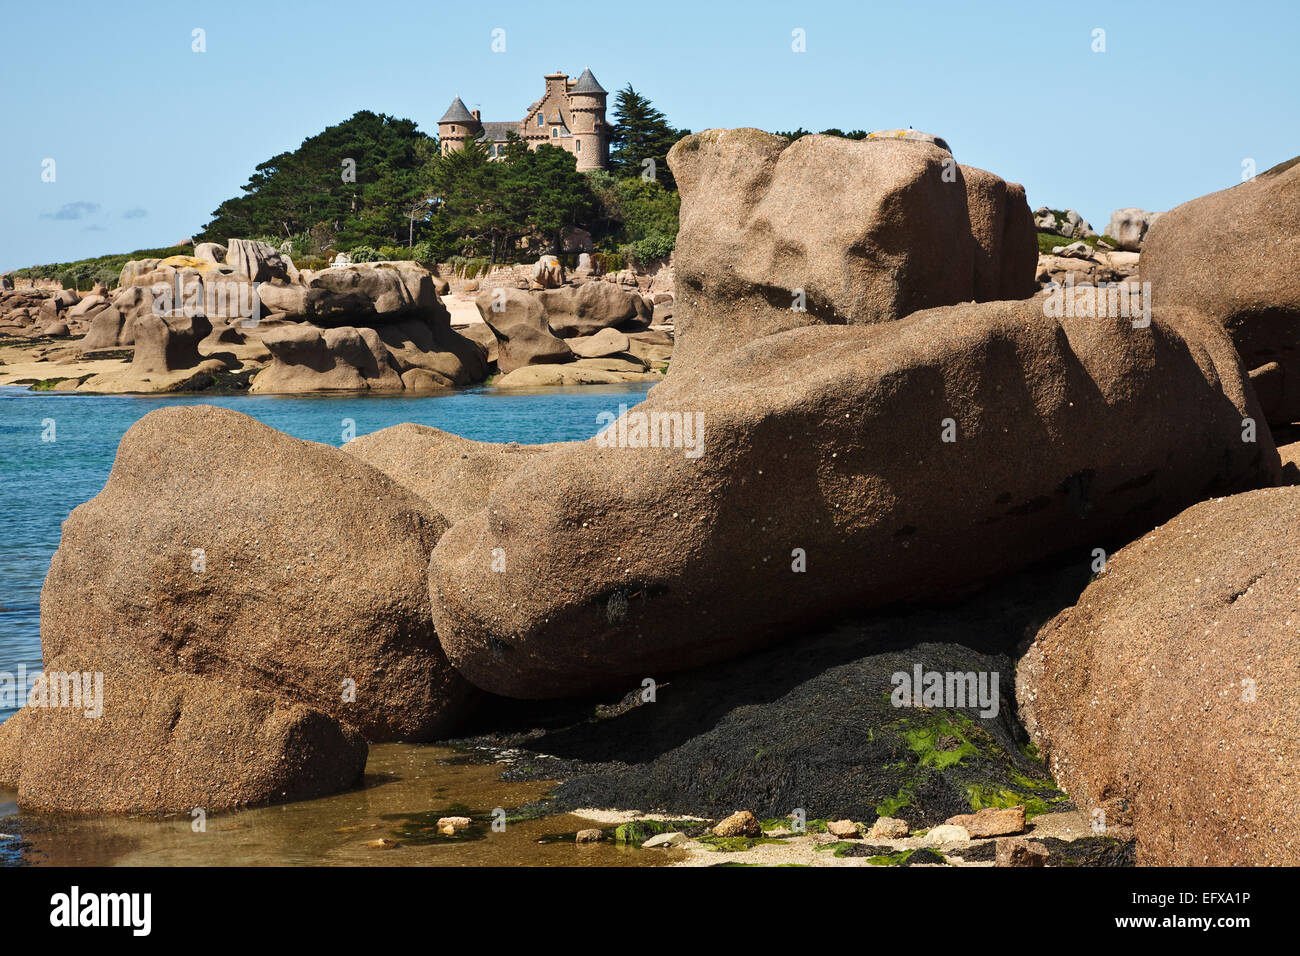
column 587, row 84
column 457, row 113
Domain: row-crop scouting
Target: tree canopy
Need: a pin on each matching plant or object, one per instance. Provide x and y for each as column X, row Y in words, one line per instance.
column 478, row 202
column 792, row 135
column 356, row 178
column 640, row 132
column 376, row 184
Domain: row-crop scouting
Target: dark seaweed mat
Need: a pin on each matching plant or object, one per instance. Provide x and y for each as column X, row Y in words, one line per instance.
column 808, row 723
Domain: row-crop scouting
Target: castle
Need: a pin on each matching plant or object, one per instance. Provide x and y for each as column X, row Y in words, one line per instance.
column 570, row 115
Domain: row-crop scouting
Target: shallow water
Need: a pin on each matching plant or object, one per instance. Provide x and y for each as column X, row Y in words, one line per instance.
column 406, row 789
column 42, row 480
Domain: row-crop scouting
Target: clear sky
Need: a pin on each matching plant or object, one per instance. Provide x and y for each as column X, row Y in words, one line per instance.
column 148, row 137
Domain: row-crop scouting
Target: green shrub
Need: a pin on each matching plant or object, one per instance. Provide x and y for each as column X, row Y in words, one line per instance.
column 652, row 248
column 467, row 267
column 363, row 254
column 609, row 261
column 107, row 267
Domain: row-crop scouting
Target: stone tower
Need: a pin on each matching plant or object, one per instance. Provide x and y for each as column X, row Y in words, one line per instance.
column 591, row 135
column 569, row 116
column 458, row 126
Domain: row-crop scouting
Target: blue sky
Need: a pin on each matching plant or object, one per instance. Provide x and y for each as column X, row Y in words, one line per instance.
column 148, row 137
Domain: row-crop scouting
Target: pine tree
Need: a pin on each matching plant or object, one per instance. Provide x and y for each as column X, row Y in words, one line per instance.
column 295, row 191
column 641, row 133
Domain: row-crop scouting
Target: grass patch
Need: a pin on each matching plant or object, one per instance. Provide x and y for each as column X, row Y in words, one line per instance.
column 1047, row 241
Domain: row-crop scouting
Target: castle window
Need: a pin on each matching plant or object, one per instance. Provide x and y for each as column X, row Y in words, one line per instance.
column 577, row 148
column 555, row 132
column 541, row 121
column 453, row 129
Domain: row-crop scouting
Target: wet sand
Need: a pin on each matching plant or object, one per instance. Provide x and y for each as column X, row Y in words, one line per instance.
column 407, row 787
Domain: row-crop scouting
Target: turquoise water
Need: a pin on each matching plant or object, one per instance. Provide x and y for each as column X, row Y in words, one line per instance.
column 41, row 481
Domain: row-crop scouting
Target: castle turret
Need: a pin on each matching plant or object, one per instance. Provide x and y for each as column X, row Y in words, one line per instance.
column 591, row 134
column 458, row 126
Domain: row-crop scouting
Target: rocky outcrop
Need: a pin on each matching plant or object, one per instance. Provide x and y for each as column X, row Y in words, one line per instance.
column 11, row 752
column 133, row 269
column 415, row 355
column 829, row 469
column 1232, row 255
column 306, row 358
column 1129, row 227
column 548, row 273
column 602, row 371
column 1096, row 266
column 519, row 322
column 433, row 347
column 166, row 356
column 588, row 308
column 259, row 261
column 1069, row 223
column 210, row 251
column 1166, row 697
column 365, row 294
column 166, row 343
column 778, row 235
column 602, row 344
column 453, row 475
column 171, row 743
column 1002, row 226
column 302, row 577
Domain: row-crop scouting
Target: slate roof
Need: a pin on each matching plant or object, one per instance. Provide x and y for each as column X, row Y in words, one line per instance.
column 457, row 113
column 586, row 84
column 496, row 132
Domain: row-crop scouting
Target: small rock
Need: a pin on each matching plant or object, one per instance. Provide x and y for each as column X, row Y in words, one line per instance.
column 843, row 829
column 589, row 836
column 992, row 822
column 449, row 825
column 888, row 828
column 947, row 833
column 1075, row 250
column 741, row 824
column 383, row 844
column 664, row 839
column 1012, row 851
